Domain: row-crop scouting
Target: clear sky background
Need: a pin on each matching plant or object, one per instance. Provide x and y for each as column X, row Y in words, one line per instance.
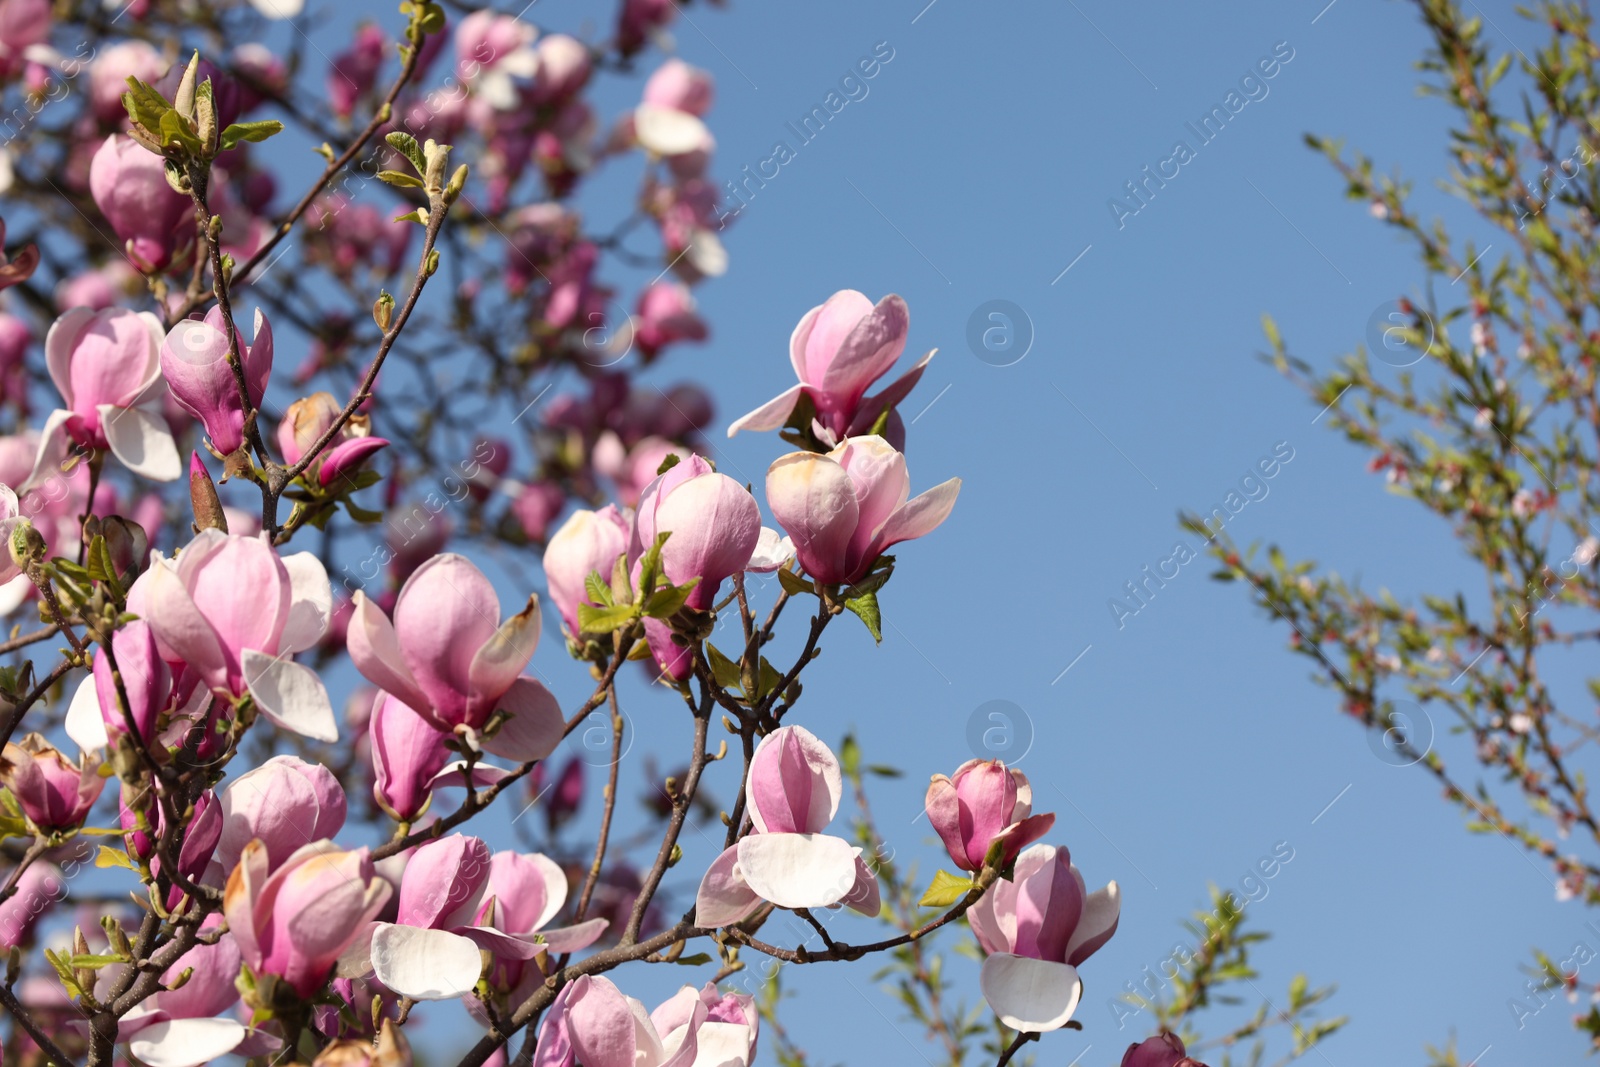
column 1180, row 748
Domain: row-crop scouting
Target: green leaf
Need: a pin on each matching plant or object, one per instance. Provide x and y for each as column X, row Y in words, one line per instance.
column 666, row 601
column 792, row 583
column 249, row 131
column 697, row 960
column 866, row 609
column 849, row 755
column 407, row 146
column 400, row 179
column 650, row 566
column 593, row 620
column 597, row 589
column 113, row 857
column 723, row 669
column 870, row 584
column 946, row 889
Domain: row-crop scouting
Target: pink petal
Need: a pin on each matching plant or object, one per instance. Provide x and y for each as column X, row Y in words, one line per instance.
column 375, row 650
column 535, row 726
column 346, row 456
column 724, row 897
column 771, row 415
column 921, row 515
column 813, row 498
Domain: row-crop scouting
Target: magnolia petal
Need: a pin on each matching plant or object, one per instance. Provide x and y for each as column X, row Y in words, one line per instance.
column 141, row 442
column 798, row 870
column 84, row 723
column 310, row 603
column 290, row 694
column 707, row 254
column 186, row 1042
column 864, row 896
column 347, row 456
column 1034, row 996
column 375, row 649
column 724, row 897
column 535, row 727
column 425, row 964
column 1101, row 911
column 772, row 551
column 896, row 391
column 500, row 944
column 771, row 415
column 722, row 1045
column 178, row 625
column 564, row 939
column 667, row 131
column 54, row 447
column 920, row 515
column 14, row 593
column 497, row 663
column 58, row 345
column 483, row 775
column 279, row 9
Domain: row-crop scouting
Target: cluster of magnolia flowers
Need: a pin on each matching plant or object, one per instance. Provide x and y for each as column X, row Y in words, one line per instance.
column 339, row 937
column 518, row 95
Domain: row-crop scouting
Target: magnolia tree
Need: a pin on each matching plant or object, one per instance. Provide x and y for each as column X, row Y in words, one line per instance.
column 203, row 858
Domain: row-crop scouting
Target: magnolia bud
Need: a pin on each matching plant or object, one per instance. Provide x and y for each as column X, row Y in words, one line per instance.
column 208, row 514
column 26, row 545
column 383, row 311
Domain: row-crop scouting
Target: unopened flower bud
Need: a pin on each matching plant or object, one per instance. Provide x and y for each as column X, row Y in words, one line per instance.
column 383, row 311
column 208, row 514
column 26, row 545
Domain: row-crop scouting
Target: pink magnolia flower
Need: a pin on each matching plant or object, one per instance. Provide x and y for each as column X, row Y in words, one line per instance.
column 792, row 795
column 838, row 350
column 492, row 50
column 640, row 20
column 179, row 1026
column 408, row 752
column 593, row 1023
column 18, row 269
column 448, row 657
column 354, row 71
column 524, row 893
column 713, row 520
column 1036, row 929
column 588, row 542
column 563, row 68
column 1163, row 1050
column 303, row 426
column 565, row 796
column 984, row 803
column 535, row 506
column 10, row 519
column 666, row 314
column 129, row 185
column 294, row 923
column 194, row 358
column 107, row 367
column 23, row 25
column 234, row 611
column 432, row 949
column 846, row 508
column 728, row 1035
column 54, row 792
column 109, row 74
column 146, row 681
column 39, row 887
column 201, row 833
column 283, row 803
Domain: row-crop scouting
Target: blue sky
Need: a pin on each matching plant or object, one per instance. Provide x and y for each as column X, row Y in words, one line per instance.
column 1184, row 745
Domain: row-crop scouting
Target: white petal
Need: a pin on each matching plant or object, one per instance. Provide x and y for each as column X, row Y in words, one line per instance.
column 771, row 415
column 141, row 440
column 186, row 1042
column 84, row 724
column 723, row 1045
column 667, row 131
column 279, row 9
column 1101, row 910
column 706, row 254
column 13, row 593
column 772, row 551
column 1031, row 995
column 289, row 694
column 310, row 603
column 54, row 447
column 425, row 964
column 798, row 870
